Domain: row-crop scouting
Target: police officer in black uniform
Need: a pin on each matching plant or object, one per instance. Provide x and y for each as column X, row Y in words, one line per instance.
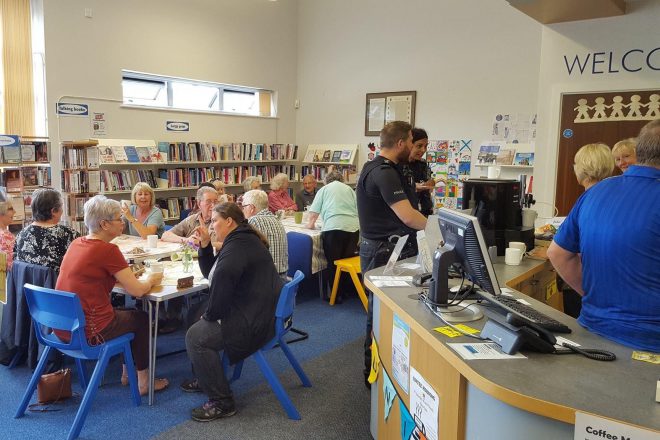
column 385, row 211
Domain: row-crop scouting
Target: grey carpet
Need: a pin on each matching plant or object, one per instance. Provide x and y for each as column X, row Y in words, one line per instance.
column 335, row 407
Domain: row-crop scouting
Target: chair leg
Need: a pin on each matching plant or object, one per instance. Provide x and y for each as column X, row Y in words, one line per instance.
column 294, row 363
column 32, row 385
column 88, row 397
column 360, row 290
column 16, row 358
column 82, row 374
column 132, row 376
column 335, row 286
column 275, row 384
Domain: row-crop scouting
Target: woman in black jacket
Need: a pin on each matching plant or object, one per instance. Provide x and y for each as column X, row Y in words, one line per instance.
column 244, row 287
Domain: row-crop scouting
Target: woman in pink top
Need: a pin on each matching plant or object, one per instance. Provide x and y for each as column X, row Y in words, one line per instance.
column 7, row 239
column 278, row 198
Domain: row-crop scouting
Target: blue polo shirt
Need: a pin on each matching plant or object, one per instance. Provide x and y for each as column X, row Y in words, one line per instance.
column 615, row 226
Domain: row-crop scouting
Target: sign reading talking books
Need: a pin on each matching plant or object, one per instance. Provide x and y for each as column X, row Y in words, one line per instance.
column 177, row 126
column 71, row 109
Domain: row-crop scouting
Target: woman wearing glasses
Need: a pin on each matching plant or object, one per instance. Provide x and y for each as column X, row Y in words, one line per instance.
column 93, row 278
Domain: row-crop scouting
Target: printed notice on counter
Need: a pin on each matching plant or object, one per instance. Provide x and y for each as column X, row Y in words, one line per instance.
column 401, row 352
column 589, row 427
column 482, row 350
column 424, row 403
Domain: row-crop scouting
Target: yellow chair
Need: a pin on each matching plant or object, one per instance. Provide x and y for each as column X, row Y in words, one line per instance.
column 352, row 266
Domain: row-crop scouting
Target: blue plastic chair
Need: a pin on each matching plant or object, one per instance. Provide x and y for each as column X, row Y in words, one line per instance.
column 300, row 256
column 283, row 322
column 59, row 310
column 183, row 214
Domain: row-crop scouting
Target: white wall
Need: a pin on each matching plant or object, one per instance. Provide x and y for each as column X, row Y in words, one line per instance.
column 638, row 29
column 247, row 42
column 467, row 59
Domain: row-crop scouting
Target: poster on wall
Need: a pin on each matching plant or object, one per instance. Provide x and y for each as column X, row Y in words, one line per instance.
column 424, row 404
column 401, row 352
column 98, row 125
column 514, row 127
column 450, row 163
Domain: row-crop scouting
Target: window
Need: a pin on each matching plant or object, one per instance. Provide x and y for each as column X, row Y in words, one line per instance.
column 185, row 94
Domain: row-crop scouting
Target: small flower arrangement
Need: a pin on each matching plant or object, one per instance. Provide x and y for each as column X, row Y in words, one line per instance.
column 187, row 251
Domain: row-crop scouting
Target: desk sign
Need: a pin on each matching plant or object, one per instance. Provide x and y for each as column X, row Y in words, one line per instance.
column 589, row 427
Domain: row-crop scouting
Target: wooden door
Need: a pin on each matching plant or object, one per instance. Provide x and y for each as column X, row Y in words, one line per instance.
column 601, row 117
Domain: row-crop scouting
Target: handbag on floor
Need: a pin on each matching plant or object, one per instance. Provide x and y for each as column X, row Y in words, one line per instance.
column 52, row 388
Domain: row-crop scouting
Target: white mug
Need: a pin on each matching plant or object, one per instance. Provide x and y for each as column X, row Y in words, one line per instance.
column 152, row 241
column 518, row 245
column 156, row 267
column 493, row 172
column 513, row 256
column 529, row 217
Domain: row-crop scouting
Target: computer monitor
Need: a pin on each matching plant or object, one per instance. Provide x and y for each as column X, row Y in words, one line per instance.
column 463, row 245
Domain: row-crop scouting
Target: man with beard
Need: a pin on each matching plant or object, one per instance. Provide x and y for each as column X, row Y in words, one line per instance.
column 384, row 210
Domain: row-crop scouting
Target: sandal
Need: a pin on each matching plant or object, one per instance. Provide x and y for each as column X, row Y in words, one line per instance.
column 159, row 385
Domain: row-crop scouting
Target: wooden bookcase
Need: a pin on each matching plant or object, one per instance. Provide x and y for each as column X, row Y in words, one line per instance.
column 174, row 181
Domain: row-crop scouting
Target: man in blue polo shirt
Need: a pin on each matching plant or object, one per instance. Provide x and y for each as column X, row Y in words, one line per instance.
column 608, row 250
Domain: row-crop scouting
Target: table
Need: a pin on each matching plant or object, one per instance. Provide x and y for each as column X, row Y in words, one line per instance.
column 537, row 397
column 167, row 290
column 126, row 243
column 318, row 257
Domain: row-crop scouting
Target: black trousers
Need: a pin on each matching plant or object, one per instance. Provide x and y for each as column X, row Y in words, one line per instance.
column 337, row 245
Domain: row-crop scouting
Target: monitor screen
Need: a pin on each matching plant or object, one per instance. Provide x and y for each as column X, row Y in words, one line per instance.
column 464, row 246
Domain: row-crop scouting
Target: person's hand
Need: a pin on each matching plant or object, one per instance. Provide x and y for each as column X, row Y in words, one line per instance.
column 202, row 235
column 126, row 212
column 155, row 278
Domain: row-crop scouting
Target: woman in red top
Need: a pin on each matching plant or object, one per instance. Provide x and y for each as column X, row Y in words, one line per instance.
column 90, row 268
column 278, row 198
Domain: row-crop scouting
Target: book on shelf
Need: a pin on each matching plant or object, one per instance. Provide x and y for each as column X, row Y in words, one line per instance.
column 318, row 155
column 132, row 154
column 488, row 154
column 156, row 155
column 505, row 156
column 92, row 157
column 144, row 154
column 309, row 155
column 336, row 156
column 327, row 156
column 30, row 176
column 18, row 204
column 346, row 156
column 44, row 176
column 106, row 155
column 94, row 183
column 524, row 159
column 41, row 152
column 28, row 153
column 119, row 154
column 13, row 180
column 12, row 154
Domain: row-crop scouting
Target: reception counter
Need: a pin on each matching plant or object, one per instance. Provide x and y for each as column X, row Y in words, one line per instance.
column 534, row 398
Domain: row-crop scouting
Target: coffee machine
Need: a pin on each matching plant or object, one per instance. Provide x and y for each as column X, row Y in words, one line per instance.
column 497, row 204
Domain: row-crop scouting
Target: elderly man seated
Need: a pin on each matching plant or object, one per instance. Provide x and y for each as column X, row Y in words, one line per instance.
column 255, row 208
column 184, row 232
column 305, row 197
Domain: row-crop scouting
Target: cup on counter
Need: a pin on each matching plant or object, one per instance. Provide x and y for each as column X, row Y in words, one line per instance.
column 518, row 245
column 152, row 241
column 156, row 267
column 513, row 256
column 494, row 172
column 529, row 217
column 298, row 217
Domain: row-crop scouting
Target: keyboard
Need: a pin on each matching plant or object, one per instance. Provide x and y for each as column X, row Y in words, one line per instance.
column 527, row 312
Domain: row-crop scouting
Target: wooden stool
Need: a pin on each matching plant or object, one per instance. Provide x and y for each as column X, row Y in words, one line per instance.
column 352, row 266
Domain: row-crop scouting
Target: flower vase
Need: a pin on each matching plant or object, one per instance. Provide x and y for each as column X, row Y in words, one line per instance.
column 187, row 260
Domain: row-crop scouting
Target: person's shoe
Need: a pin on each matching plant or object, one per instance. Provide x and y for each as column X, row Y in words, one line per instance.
column 190, row 386
column 212, row 410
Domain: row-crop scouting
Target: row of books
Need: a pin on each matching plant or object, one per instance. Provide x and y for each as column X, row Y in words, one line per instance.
column 213, row 152
column 494, row 155
column 325, row 155
column 93, row 181
column 18, row 179
column 24, row 153
column 349, row 172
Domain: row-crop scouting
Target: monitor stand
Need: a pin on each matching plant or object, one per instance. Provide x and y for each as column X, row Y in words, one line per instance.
column 461, row 313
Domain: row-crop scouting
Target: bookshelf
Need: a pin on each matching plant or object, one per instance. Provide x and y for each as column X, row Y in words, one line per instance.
column 320, row 157
column 173, row 169
column 24, row 167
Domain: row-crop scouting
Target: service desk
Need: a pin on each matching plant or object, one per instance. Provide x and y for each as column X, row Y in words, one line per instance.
column 533, row 398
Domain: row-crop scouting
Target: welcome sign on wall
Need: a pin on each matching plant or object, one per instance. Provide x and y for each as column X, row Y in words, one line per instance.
column 612, row 62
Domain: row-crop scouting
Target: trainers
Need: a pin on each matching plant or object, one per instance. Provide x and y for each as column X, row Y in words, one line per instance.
column 190, row 386
column 212, row 410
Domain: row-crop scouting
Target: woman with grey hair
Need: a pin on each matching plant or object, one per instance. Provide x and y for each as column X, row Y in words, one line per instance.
column 45, row 240
column 249, row 183
column 7, row 239
column 92, row 279
column 336, row 204
column 278, row 198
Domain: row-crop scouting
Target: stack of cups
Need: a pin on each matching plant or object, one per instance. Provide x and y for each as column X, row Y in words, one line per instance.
column 514, row 253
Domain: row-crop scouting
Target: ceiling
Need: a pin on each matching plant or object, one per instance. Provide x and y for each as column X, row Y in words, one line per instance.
column 559, row 11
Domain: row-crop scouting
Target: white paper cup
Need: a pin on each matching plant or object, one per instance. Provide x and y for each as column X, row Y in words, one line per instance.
column 152, row 241
column 156, row 267
column 518, row 245
column 493, row 172
column 513, row 256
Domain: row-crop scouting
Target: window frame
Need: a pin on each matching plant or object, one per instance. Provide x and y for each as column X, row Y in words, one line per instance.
column 131, row 75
